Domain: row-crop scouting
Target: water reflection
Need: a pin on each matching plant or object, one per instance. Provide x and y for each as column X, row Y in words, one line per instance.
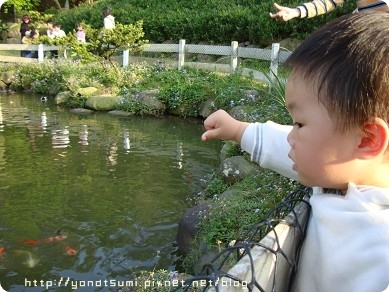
column 60, row 137
column 112, row 154
column 126, row 141
column 1, row 119
column 44, row 121
column 83, row 135
column 115, row 187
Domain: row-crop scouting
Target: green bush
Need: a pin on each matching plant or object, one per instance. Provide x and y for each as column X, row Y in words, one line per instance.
column 216, row 21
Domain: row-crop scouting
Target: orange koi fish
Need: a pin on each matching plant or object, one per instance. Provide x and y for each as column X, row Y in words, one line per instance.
column 70, row 251
column 32, row 242
column 2, row 250
column 29, row 242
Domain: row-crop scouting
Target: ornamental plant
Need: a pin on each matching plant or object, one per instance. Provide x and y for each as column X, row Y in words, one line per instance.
column 102, row 44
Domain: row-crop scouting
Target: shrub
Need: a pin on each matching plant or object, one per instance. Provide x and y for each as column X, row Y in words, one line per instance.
column 217, row 21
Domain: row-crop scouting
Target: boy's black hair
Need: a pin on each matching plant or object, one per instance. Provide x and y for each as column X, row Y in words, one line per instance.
column 347, row 61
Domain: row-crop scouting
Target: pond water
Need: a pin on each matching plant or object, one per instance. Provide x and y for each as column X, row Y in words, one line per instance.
column 92, row 197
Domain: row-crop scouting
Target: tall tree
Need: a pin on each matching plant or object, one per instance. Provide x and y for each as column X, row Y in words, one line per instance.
column 66, row 6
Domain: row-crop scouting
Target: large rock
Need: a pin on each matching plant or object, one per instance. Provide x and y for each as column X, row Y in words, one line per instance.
column 12, row 41
column 238, row 112
column 62, row 97
column 3, row 86
column 86, row 91
column 14, row 31
column 150, row 99
column 187, row 227
column 207, row 108
column 8, row 76
column 103, row 102
column 236, row 168
column 230, row 149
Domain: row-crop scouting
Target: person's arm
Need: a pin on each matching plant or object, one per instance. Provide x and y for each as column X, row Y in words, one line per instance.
column 285, row 13
column 318, row 7
column 26, row 40
column 306, row 10
column 220, row 125
column 268, row 146
column 266, row 143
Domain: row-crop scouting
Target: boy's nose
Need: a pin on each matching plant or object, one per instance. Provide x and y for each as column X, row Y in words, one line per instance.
column 290, row 139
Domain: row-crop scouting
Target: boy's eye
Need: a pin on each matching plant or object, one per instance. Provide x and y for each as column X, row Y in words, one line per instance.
column 299, row 125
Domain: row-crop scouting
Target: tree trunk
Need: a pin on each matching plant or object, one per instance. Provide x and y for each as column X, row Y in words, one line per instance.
column 57, row 4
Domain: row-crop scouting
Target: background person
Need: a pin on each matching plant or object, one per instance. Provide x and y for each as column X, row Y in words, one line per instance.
column 109, row 20
column 25, row 27
column 50, row 34
column 57, row 33
column 49, row 29
column 28, row 39
column 80, row 34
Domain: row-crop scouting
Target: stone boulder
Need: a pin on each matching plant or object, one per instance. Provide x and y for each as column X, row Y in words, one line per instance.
column 12, row 41
column 207, row 108
column 3, row 86
column 103, row 102
column 229, row 149
column 6, row 79
column 236, row 168
column 150, row 99
column 238, row 112
column 187, row 227
column 8, row 76
column 62, row 97
column 86, row 91
column 250, row 95
column 14, row 31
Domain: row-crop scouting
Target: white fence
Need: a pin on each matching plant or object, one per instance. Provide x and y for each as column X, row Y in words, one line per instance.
column 275, row 55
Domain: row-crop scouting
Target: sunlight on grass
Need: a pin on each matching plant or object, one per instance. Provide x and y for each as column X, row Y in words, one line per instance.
column 10, row 53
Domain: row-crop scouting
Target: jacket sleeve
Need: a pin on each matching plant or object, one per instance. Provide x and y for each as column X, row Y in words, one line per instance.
column 318, row 7
column 268, row 146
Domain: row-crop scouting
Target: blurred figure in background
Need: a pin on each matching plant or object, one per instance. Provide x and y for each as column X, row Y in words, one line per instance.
column 28, row 39
column 80, row 34
column 57, row 31
column 50, row 30
column 109, row 20
column 25, row 27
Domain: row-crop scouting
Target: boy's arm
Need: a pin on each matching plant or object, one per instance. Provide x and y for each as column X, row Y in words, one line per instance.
column 267, row 143
column 268, row 146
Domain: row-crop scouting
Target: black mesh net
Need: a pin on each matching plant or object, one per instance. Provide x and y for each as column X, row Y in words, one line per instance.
column 265, row 258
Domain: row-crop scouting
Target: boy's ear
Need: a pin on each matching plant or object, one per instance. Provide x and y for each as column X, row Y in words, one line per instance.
column 374, row 138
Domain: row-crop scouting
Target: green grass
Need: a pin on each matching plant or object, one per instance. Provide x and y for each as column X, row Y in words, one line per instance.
column 10, row 53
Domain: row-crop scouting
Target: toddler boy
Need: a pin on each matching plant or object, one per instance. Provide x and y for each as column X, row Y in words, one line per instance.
column 338, row 96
